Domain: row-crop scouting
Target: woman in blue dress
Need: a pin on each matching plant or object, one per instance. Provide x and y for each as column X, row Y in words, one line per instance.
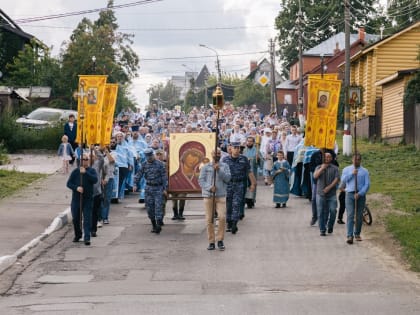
column 280, row 174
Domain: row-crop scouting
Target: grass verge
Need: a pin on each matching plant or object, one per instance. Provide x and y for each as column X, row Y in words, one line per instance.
column 394, row 171
column 11, row 181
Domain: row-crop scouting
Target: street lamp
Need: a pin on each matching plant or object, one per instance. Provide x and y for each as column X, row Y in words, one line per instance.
column 219, row 75
column 188, row 68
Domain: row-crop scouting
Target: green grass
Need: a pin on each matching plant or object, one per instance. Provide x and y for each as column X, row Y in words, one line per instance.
column 12, row 181
column 395, row 172
column 407, row 230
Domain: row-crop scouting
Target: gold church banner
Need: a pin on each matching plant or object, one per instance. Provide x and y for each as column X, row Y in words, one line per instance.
column 327, row 76
column 108, row 109
column 321, row 125
column 90, row 102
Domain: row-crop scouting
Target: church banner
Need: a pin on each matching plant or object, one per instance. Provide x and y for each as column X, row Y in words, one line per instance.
column 187, row 153
column 90, row 101
column 321, row 125
column 327, row 76
column 108, row 109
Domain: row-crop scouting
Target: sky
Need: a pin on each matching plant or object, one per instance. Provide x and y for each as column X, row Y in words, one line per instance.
column 167, row 33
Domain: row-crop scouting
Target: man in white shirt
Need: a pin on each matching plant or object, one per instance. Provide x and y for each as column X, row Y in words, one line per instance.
column 292, row 140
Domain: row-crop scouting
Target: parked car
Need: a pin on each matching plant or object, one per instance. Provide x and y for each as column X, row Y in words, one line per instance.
column 45, row 117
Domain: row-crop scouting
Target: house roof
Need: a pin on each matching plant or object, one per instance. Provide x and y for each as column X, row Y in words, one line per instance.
column 391, row 37
column 4, row 90
column 202, row 76
column 381, row 42
column 252, row 74
column 328, row 46
column 286, row 85
column 7, row 24
column 396, row 75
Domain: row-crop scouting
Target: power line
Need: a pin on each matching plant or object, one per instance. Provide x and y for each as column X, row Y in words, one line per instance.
column 167, row 29
column 74, row 13
column 197, row 57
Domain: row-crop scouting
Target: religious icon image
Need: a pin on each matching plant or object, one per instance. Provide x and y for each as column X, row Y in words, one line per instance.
column 323, row 99
column 354, row 96
column 92, row 95
column 191, row 155
column 188, row 152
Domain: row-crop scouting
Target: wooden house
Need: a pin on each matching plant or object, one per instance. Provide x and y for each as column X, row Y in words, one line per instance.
column 376, row 63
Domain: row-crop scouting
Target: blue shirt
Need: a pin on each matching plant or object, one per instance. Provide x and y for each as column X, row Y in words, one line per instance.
column 363, row 180
column 122, row 158
column 139, row 145
column 239, row 167
column 206, row 179
column 154, row 173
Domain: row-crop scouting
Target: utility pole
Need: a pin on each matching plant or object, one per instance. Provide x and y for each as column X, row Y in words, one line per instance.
column 347, row 136
column 273, row 78
column 300, row 91
column 219, row 72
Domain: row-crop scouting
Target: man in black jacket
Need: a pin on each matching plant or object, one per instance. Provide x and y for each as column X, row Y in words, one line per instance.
column 70, row 130
column 81, row 182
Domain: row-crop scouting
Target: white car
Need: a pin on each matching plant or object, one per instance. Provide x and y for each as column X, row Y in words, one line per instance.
column 46, row 117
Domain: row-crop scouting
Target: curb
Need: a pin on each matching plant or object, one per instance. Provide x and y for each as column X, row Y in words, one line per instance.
column 58, row 223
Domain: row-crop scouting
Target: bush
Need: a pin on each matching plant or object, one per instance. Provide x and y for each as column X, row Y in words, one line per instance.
column 4, row 159
column 17, row 138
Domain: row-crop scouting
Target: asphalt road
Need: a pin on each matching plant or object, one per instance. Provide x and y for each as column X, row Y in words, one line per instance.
column 275, row 264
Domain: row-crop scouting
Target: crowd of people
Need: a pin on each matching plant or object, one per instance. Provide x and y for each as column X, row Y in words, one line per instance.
column 250, row 145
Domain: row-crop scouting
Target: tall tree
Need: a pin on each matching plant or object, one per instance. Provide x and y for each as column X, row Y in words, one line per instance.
column 248, row 93
column 402, row 13
column 34, row 66
column 165, row 95
column 111, row 48
column 319, row 21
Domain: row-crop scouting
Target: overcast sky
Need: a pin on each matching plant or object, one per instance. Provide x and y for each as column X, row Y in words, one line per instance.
column 167, row 29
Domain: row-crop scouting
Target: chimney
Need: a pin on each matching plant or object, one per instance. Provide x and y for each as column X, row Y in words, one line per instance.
column 337, row 48
column 362, row 34
column 253, row 65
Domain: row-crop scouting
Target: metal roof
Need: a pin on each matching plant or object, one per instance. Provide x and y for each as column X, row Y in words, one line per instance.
column 328, row 46
column 286, row 85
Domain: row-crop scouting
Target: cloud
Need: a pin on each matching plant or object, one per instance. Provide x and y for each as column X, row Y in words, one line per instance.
column 156, row 27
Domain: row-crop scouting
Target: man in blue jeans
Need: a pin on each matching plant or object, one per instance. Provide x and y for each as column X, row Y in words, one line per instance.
column 357, row 182
column 327, row 177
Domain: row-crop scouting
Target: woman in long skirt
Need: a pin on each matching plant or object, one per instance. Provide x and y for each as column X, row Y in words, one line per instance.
column 280, row 173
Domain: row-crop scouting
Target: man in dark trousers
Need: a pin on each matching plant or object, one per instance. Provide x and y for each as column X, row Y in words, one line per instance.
column 154, row 172
column 81, row 182
column 240, row 170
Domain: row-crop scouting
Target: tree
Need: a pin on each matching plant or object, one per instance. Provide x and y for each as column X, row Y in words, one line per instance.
column 412, row 91
column 166, row 96
column 247, row 93
column 319, row 21
column 401, row 13
column 191, row 97
column 34, row 66
column 112, row 50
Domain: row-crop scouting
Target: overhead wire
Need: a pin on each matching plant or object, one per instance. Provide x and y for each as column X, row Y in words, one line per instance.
column 82, row 12
column 168, row 29
column 207, row 56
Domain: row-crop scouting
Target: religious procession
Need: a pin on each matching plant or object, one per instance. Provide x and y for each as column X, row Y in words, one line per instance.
column 217, row 154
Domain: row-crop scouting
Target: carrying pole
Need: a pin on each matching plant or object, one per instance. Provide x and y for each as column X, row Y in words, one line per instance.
column 218, row 103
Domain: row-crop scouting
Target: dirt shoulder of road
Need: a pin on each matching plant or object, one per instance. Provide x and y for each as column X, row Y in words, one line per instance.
column 380, row 206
